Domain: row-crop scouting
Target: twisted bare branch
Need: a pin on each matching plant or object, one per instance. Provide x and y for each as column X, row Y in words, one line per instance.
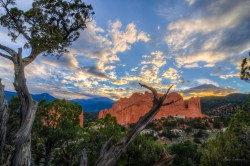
column 112, row 155
column 8, row 50
column 165, row 95
column 83, row 158
column 171, row 102
column 6, row 56
column 151, row 89
column 33, row 54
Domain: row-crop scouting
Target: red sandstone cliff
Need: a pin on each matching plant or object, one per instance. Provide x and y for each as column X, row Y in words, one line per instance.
column 129, row 110
column 81, row 119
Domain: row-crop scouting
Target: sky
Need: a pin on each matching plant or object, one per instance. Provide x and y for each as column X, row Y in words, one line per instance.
column 183, row 42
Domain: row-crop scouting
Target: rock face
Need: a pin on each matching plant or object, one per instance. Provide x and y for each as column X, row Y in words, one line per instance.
column 129, row 110
column 81, row 117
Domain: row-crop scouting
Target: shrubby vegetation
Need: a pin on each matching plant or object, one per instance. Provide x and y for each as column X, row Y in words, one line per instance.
column 231, row 147
column 57, row 138
column 144, row 151
column 56, row 125
column 186, row 153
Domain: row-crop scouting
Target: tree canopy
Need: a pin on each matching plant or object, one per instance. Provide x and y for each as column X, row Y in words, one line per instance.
column 56, row 126
column 49, row 26
column 245, row 69
column 231, row 147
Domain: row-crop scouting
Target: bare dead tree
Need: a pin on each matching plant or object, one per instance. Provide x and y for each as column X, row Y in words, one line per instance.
column 4, row 116
column 83, row 158
column 110, row 156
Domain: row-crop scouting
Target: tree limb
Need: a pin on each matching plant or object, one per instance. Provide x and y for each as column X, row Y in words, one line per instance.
column 18, row 25
column 6, row 56
column 165, row 95
column 27, row 60
column 105, row 146
column 83, row 158
column 171, row 102
column 111, row 156
column 8, row 50
column 151, row 89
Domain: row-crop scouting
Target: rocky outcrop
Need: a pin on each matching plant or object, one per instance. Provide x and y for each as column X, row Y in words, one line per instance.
column 129, row 110
column 81, row 117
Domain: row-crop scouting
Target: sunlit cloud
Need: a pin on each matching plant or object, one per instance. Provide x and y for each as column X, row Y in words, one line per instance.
column 171, row 74
column 213, row 37
column 207, row 90
column 113, row 54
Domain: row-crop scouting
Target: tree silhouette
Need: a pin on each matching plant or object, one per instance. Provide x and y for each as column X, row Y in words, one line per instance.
column 245, row 69
column 50, row 26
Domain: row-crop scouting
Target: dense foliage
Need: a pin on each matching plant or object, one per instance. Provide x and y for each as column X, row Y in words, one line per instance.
column 58, row 138
column 50, row 25
column 186, row 154
column 231, row 147
column 245, row 69
column 144, row 150
column 56, row 125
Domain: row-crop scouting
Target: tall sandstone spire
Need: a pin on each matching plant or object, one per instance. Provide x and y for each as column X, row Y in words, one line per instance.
column 129, row 110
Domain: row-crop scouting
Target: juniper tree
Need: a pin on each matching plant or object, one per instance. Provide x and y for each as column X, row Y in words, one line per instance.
column 245, row 69
column 48, row 27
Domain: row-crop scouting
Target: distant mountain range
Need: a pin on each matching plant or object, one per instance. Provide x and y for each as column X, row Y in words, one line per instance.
column 89, row 105
column 207, row 90
column 207, row 103
column 213, row 102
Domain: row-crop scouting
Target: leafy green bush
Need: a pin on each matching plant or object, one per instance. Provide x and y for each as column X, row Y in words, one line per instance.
column 142, row 151
column 231, row 147
column 186, row 153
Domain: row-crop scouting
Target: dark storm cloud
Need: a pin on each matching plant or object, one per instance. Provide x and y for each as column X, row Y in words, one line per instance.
column 93, row 70
column 218, row 27
column 236, row 37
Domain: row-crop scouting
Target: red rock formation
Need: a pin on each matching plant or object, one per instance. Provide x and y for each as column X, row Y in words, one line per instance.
column 129, row 110
column 81, row 119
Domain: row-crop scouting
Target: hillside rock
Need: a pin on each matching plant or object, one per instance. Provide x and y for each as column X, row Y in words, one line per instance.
column 81, row 117
column 129, row 110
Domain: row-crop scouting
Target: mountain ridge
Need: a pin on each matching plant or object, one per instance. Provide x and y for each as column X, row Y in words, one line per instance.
column 89, row 105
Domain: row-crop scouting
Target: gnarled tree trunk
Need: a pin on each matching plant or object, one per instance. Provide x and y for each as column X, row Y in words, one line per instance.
column 83, row 158
column 110, row 156
column 22, row 153
column 4, row 116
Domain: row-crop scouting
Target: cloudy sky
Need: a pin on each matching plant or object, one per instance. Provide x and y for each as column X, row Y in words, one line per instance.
column 187, row 42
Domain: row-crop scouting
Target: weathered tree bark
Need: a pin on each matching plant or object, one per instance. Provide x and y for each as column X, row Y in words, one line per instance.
column 4, row 116
column 22, row 152
column 83, row 158
column 109, row 157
